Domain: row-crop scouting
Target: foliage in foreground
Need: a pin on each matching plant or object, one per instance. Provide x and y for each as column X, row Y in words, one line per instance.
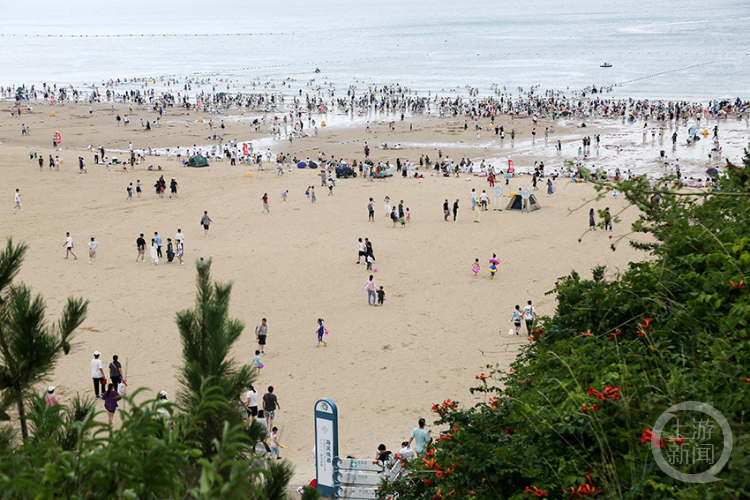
column 574, row 416
column 29, row 346
column 202, row 450
column 146, row 458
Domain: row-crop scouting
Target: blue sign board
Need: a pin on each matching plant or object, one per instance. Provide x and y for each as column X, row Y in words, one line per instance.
column 326, row 445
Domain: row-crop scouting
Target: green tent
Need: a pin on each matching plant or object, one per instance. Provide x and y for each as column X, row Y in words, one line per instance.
column 197, row 161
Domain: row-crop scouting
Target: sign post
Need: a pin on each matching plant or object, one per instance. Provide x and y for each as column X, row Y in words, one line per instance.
column 326, row 445
column 498, row 192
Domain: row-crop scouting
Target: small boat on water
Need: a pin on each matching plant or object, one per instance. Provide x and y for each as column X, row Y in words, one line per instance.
column 606, row 65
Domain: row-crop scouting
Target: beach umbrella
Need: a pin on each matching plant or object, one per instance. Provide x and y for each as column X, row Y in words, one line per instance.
column 712, row 172
column 313, row 164
column 301, row 164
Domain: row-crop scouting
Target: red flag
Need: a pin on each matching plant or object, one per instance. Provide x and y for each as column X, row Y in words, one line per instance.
column 58, row 138
column 244, row 149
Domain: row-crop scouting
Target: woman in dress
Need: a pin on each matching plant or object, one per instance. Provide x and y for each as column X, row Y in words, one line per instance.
column 387, row 204
column 592, row 222
column 154, row 253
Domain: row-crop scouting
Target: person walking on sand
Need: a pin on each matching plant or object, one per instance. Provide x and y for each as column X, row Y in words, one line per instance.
column 68, row 245
column 529, row 316
column 205, row 222
column 592, row 222
column 261, row 331
column 387, row 205
column 362, row 251
column 257, row 363
column 130, row 192
column 516, row 319
column 110, row 398
column 251, row 402
column 93, row 245
column 370, row 287
column 321, row 330
column 381, row 296
column 265, row 204
column 157, row 239
column 50, row 399
column 446, row 210
column 275, row 445
column 270, row 403
column 154, row 253
column 607, row 220
column 179, row 251
column 371, row 211
column 475, row 267
column 140, row 243
column 313, row 198
column 97, row 373
column 17, row 201
column 455, row 210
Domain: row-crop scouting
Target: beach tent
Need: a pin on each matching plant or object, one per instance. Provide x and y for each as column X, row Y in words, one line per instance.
column 301, row 164
column 516, row 203
column 313, row 165
column 197, row 161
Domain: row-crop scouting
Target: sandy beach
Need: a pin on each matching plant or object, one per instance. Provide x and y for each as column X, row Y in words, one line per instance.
column 384, row 366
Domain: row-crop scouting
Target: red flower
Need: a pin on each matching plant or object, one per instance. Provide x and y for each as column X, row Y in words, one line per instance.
column 587, row 333
column 536, row 335
column 648, row 436
column 536, row 491
column 612, row 393
column 747, row 380
column 680, row 441
column 737, row 286
column 427, row 482
column 594, row 407
column 643, row 328
column 615, row 334
column 482, row 377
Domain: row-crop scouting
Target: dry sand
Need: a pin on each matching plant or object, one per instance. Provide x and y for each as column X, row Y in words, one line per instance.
column 384, row 367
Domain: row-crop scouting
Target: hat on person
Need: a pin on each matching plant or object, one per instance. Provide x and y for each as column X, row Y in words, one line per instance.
column 97, row 353
column 163, row 393
column 51, row 388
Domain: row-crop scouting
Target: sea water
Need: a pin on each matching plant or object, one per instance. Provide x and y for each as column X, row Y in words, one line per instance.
column 690, row 50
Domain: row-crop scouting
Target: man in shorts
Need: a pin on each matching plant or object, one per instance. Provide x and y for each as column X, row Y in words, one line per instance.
column 17, row 201
column 69, row 246
column 205, row 222
column 270, row 403
column 141, row 244
column 260, row 336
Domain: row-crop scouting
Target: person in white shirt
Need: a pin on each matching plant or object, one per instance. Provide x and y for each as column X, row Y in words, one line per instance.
column 69, row 246
column 92, row 251
column 97, row 373
column 17, row 201
column 529, row 315
column 406, row 452
column 251, row 402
